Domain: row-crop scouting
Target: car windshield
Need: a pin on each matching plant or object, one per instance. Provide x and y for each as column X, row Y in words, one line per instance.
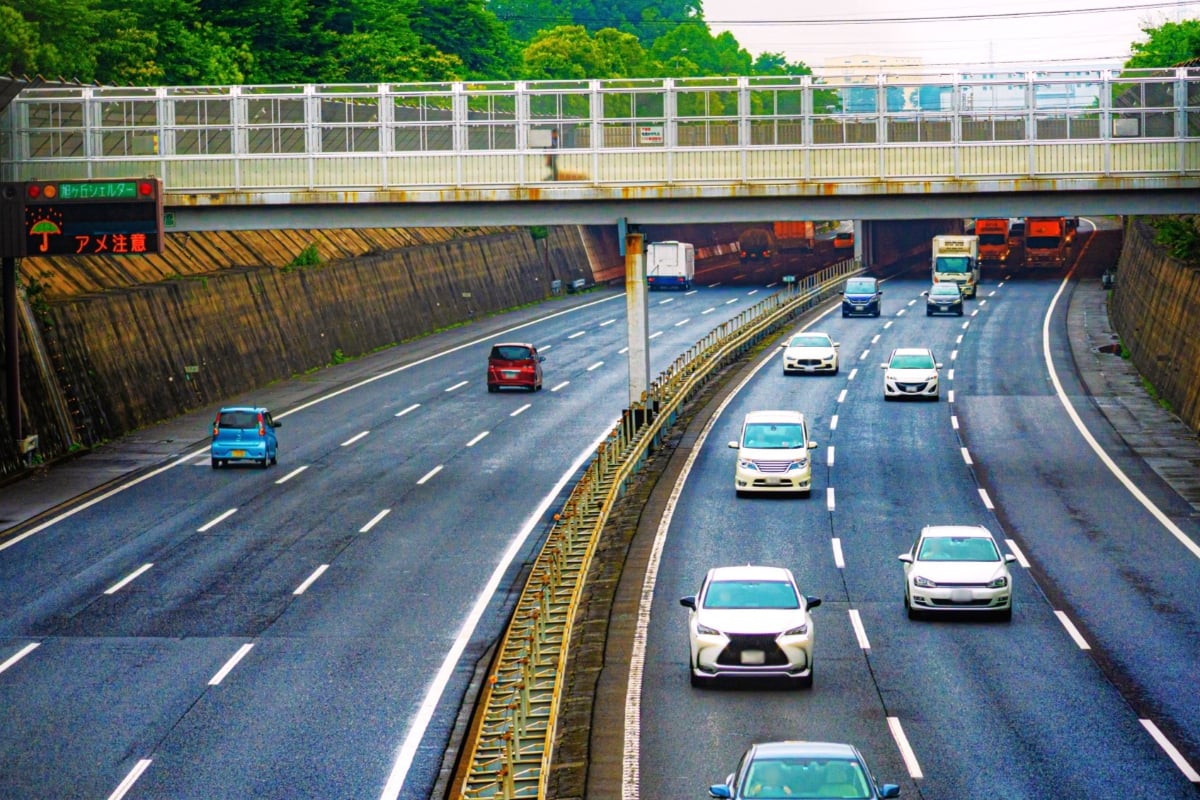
column 859, row 287
column 238, row 419
column 809, row 340
column 912, row 361
column 510, row 352
column 953, row 264
column 958, row 548
column 751, row 594
column 942, row 289
column 771, row 779
column 768, row 436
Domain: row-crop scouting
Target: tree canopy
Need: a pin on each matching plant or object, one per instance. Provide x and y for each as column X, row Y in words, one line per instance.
column 1167, row 45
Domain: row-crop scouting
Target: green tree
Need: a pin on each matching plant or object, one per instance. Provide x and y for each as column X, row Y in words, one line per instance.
column 1169, row 44
column 63, row 35
column 777, row 64
column 712, row 55
column 563, row 53
column 469, row 31
column 18, row 43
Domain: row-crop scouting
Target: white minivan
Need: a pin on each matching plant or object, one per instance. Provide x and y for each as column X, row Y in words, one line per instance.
column 773, row 453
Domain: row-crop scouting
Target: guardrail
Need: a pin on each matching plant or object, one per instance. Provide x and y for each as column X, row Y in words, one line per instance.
column 511, row 742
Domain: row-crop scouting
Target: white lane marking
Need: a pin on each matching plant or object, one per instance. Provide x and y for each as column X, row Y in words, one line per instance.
column 859, row 631
column 374, row 520
column 291, row 474
column 430, row 474
column 709, row 310
column 833, row 422
column 888, row 324
column 575, row 335
column 975, row 312
column 967, row 457
column 830, row 502
column 1024, row 562
column 116, row 587
column 692, row 292
column 993, row 291
column 407, row 751
column 358, row 436
column 1154, row 510
column 864, row 354
column 478, row 438
column 900, row 313
column 950, row 376
column 953, row 354
column 408, row 410
column 562, row 385
column 668, row 300
column 954, row 421
column 522, row 408
column 906, row 751
column 772, row 284
column 607, row 322
column 987, row 501
column 839, row 560
column 983, row 303
column 966, row 325
column 1001, row 283
column 732, row 300
column 950, row 396
column 458, row 385
column 124, row 786
column 1072, row 630
column 853, row 372
column 714, row 285
column 842, row 395
column 17, row 656
column 545, row 347
column 829, row 457
column 655, row 335
column 959, row 339
column 310, row 580
column 224, row 671
column 875, row 338
column 623, row 350
column 1180, row 762
column 216, row 520
column 597, row 365
column 912, row 303
column 683, row 322
column 752, row 292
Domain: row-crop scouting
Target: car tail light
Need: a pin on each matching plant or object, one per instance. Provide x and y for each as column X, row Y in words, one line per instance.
column 262, row 431
column 216, row 424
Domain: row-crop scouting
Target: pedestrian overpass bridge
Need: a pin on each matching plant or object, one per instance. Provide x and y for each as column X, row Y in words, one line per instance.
column 886, row 146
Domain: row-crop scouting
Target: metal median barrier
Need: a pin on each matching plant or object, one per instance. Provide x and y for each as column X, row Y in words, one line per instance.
column 510, row 745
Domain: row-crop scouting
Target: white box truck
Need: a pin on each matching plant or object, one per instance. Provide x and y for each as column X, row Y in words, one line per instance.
column 956, row 260
column 670, row 265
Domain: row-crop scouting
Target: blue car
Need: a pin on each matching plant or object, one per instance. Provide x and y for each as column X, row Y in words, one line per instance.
column 826, row 770
column 861, row 296
column 244, row 433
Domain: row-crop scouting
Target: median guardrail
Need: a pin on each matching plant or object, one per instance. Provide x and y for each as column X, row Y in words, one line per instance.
column 510, row 745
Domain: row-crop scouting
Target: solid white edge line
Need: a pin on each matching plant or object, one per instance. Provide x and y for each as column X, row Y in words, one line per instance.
column 1016, row 550
column 430, row 474
column 355, row 438
column 830, row 502
column 859, row 631
column 1072, row 630
column 17, row 656
column 130, row 779
column 525, row 407
column 310, row 580
column 291, row 475
column 987, row 500
column 407, row 751
column 478, row 438
column 224, row 671
column 906, row 751
column 216, row 520
column 374, row 520
column 1187, row 769
column 121, row 584
column 1120, row 475
column 839, row 559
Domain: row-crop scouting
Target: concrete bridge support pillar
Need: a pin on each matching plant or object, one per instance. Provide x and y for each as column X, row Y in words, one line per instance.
column 637, row 310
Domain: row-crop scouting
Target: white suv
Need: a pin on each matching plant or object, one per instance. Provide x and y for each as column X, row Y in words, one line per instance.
column 773, row 453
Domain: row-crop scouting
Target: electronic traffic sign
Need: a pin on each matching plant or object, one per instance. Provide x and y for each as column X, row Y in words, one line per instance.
column 93, row 218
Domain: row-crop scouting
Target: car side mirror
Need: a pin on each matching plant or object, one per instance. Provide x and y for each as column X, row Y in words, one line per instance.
column 688, row 602
column 734, row 445
column 906, row 558
column 837, row 344
column 720, row 790
column 541, row 358
column 937, row 365
column 884, row 366
column 276, row 424
column 812, row 602
column 1009, row 558
column 889, row 790
column 924, row 294
column 812, row 445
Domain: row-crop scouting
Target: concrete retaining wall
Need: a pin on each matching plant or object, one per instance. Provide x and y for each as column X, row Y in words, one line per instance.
column 1155, row 307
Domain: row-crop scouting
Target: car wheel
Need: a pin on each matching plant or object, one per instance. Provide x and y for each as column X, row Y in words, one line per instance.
column 216, row 463
column 1006, row 614
column 928, row 313
column 845, row 314
column 493, row 387
column 960, row 312
column 266, row 461
column 697, row 682
column 538, row 388
column 275, row 458
column 877, row 312
column 836, row 368
column 739, row 493
column 806, row 681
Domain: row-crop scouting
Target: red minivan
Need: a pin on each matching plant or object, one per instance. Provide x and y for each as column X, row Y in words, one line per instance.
column 514, row 364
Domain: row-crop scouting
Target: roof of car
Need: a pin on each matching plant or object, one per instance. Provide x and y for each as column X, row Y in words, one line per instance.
column 912, row 351
column 749, row 572
column 512, row 344
column 253, row 409
column 946, row 286
column 805, row 750
column 775, row 415
column 956, row 530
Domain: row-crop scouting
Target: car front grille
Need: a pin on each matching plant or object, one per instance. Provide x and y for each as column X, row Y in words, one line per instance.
column 773, row 467
column 935, row 601
column 912, row 387
column 731, row 656
column 808, row 362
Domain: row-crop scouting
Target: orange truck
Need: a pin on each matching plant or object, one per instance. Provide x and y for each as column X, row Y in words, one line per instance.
column 1047, row 242
column 993, row 240
column 798, row 235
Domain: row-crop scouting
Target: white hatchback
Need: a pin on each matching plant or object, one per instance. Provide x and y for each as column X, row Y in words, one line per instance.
column 957, row 568
column 810, row 352
column 911, row 372
column 750, row 622
column 773, row 454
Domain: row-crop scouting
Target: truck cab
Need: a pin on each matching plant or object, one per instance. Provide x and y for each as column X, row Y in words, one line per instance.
column 956, row 260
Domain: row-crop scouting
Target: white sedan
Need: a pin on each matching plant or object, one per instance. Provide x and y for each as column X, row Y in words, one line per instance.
column 750, row 622
column 810, row 352
column 957, row 568
column 911, row 372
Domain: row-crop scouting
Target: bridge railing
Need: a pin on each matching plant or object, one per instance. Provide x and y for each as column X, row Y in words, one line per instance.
column 612, row 132
column 510, row 747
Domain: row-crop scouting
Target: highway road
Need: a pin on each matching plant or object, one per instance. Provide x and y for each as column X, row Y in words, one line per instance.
column 310, row 630
column 1069, row 699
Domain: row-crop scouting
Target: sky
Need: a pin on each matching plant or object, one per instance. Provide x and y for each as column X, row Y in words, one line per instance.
column 1097, row 34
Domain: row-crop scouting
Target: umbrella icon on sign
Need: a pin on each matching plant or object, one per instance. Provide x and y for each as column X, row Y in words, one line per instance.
column 44, row 228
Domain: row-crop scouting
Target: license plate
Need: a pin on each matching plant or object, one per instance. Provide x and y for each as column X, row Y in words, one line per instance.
column 943, row 308
column 239, row 453
column 961, row 596
column 860, row 308
column 510, row 373
column 754, row 657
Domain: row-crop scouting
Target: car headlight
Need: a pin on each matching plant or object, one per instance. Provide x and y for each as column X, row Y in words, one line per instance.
column 924, row 583
column 889, row 376
column 799, row 463
column 704, row 630
column 999, row 583
column 745, row 463
column 799, row 630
